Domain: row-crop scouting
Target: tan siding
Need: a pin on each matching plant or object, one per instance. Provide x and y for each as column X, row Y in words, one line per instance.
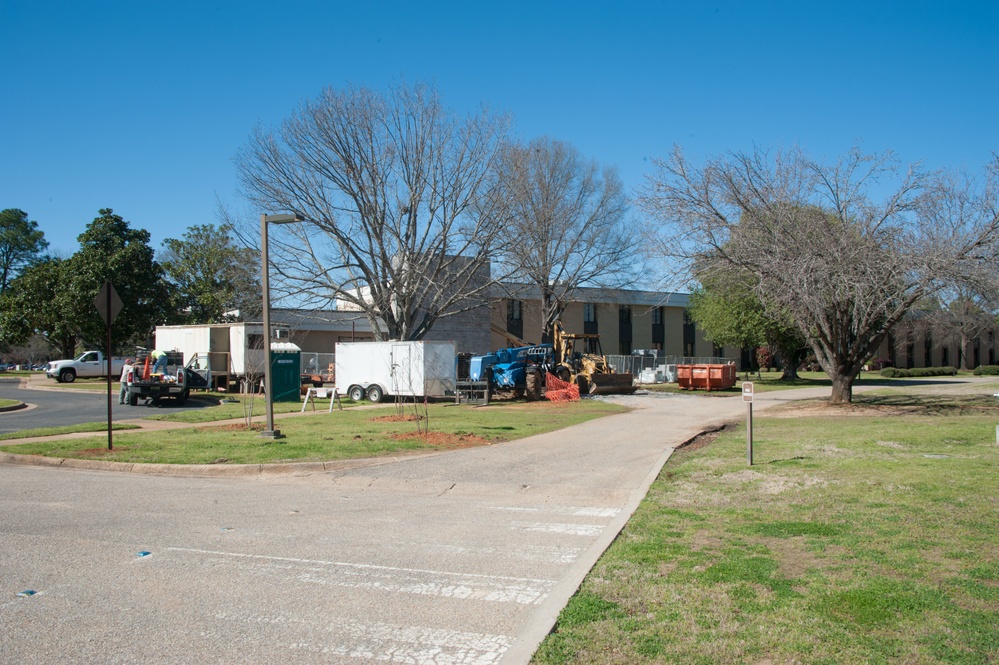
column 607, row 326
column 572, row 317
column 641, row 328
column 673, row 323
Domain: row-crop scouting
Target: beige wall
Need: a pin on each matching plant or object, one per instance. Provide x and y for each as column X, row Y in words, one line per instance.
column 607, row 326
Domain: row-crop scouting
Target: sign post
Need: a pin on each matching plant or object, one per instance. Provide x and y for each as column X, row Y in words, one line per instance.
column 108, row 304
column 747, row 397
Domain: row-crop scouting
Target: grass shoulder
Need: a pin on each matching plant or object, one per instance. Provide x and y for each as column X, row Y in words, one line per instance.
column 863, row 533
column 348, row 434
column 64, row 429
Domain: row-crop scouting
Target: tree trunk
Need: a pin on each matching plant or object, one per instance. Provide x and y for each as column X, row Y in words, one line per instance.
column 789, row 358
column 965, row 357
column 842, row 388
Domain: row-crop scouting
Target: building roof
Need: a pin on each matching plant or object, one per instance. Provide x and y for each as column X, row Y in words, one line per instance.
column 587, row 294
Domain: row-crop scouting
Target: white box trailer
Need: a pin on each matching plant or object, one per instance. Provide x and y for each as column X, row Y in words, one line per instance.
column 401, row 369
column 228, row 346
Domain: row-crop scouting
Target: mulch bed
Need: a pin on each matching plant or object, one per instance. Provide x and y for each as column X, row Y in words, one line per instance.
column 445, row 440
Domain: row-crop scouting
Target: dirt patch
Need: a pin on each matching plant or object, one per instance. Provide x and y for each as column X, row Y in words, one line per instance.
column 233, row 427
column 699, row 441
column 444, row 440
column 406, row 418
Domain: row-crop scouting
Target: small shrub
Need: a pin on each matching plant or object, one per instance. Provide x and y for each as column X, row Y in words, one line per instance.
column 933, row 371
column 987, row 370
column 899, row 373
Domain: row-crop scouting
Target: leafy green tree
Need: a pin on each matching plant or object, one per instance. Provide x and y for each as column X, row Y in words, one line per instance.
column 729, row 311
column 21, row 244
column 111, row 250
column 37, row 301
column 212, row 274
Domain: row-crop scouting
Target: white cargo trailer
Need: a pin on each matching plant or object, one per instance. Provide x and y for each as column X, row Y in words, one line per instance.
column 403, row 369
column 230, row 347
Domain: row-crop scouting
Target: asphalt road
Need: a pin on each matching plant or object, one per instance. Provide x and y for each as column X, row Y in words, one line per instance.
column 56, row 407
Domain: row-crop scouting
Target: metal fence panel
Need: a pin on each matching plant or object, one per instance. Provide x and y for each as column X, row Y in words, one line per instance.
column 317, row 363
column 656, row 365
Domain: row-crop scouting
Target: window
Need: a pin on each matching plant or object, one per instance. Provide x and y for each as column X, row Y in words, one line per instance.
column 590, row 318
column 689, row 334
column 513, row 310
column 658, row 329
column 624, row 314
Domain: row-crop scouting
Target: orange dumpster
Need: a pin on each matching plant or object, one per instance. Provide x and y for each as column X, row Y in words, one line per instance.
column 706, row 377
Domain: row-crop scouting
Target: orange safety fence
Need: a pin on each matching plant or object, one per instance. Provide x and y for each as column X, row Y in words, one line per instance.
column 558, row 390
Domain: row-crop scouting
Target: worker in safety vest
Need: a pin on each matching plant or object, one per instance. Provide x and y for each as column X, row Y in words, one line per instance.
column 159, row 361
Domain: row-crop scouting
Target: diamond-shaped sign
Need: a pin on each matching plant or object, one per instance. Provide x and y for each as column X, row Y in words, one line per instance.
column 108, row 303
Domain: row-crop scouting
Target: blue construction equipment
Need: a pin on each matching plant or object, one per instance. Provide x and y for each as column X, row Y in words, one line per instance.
column 520, row 370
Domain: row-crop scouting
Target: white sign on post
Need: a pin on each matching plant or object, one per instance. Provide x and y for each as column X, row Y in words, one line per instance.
column 747, row 391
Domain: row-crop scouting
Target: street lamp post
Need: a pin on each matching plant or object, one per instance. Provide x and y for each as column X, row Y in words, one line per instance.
column 269, row 432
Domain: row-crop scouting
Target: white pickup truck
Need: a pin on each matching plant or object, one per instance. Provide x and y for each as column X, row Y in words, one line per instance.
column 88, row 364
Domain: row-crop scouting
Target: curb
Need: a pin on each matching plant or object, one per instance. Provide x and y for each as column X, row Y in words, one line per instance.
column 291, row 469
column 13, row 407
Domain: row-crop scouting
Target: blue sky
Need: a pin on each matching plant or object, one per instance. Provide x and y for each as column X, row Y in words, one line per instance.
column 140, row 106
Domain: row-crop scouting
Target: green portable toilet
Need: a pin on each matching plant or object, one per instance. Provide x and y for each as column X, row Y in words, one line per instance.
column 286, row 371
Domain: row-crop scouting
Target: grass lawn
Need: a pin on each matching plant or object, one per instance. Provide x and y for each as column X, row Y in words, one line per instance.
column 347, row 434
column 9, row 402
column 231, row 406
column 863, row 534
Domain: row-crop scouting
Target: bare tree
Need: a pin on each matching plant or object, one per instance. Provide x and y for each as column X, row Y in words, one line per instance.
column 845, row 267
column 567, row 221
column 390, row 186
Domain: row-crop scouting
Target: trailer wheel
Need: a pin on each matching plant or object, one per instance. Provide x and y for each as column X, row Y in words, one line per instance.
column 375, row 394
column 133, row 399
column 355, row 393
column 67, row 376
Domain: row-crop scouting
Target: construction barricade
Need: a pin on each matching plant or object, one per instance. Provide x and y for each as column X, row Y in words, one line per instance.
column 557, row 390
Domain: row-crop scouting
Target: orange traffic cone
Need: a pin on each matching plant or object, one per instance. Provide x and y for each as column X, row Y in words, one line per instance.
column 145, row 370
